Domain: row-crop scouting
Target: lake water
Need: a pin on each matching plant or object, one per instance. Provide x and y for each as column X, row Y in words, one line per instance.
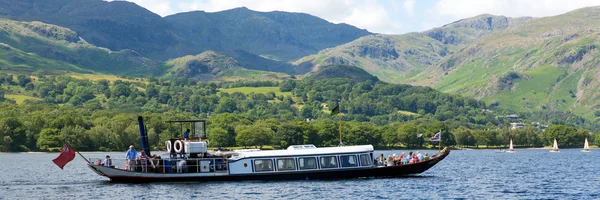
column 472, row 174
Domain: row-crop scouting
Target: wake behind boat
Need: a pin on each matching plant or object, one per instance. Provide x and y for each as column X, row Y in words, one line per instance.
column 189, row 160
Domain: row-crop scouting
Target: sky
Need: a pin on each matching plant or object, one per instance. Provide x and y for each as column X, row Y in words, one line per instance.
column 381, row 16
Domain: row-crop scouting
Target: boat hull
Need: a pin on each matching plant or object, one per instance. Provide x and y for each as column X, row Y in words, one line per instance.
column 117, row 175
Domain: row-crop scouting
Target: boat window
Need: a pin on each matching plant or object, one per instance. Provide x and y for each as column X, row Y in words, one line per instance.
column 285, row 164
column 365, row 160
column 262, row 165
column 307, row 163
column 329, row 162
column 349, row 161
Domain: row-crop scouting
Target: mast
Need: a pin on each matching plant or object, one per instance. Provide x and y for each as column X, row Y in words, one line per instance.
column 340, row 122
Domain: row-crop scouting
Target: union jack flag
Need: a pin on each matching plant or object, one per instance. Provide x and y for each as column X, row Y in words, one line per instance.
column 437, row 137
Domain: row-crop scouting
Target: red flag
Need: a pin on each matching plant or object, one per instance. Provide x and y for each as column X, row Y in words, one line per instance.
column 66, row 155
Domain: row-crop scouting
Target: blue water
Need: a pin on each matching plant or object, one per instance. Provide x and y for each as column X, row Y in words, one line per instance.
column 472, row 174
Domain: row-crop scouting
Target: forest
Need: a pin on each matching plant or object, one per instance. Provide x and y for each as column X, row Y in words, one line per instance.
column 100, row 115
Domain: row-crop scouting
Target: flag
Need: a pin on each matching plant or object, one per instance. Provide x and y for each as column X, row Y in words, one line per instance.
column 436, row 137
column 65, row 156
column 335, row 110
column 420, row 135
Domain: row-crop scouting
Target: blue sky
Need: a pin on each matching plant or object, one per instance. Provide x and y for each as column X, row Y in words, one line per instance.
column 381, row 16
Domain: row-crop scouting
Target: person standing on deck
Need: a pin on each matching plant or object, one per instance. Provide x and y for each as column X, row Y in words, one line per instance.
column 186, row 134
column 130, row 157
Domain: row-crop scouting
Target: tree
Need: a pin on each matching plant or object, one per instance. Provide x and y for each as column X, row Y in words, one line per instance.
column 407, row 133
column 219, row 137
column 2, row 98
column 288, row 134
column 49, row 138
column 8, row 79
column 22, row 80
column 464, row 137
column 566, row 136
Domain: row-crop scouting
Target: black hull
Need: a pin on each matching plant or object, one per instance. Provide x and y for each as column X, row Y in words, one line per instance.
column 394, row 171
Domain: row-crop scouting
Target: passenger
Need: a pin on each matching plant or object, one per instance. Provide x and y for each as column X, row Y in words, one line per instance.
column 402, row 156
column 419, row 157
column 426, row 157
column 144, row 162
column 107, row 162
column 415, row 158
column 381, row 160
column 390, row 161
column 181, row 166
column 186, row 134
column 405, row 160
column 130, row 158
column 155, row 162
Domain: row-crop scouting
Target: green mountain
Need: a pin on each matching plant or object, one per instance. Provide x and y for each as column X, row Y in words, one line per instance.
column 397, row 58
column 206, row 66
column 519, row 64
column 115, row 25
column 118, row 25
column 341, row 71
column 275, row 35
column 548, row 63
column 31, row 46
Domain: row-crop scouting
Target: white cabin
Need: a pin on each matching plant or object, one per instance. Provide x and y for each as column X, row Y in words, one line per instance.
column 298, row 158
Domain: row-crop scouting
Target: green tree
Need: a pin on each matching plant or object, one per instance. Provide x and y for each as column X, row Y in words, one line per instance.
column 22, row 80
column 407, row 133
column 288, row 134
column 49, row 138
column 219, row 137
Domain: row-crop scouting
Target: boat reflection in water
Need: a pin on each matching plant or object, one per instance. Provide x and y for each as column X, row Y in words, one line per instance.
column 191, row 161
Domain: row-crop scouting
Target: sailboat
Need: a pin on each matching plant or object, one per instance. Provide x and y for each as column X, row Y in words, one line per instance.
column 586, row 146
column 555, row 147
column 510, row 148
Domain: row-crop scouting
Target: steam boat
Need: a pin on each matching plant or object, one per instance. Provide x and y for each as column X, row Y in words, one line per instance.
column 188, row 159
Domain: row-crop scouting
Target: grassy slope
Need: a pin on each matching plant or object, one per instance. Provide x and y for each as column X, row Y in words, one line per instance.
column 399, row 58
column 45, row 46
column 258, row 90
column 558, row 54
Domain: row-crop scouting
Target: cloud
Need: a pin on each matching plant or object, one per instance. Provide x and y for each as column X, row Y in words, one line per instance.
column 511, row 8
column 409, row 6
column 367, row 14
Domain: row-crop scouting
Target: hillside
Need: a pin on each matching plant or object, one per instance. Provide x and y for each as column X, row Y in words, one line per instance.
column 549, row 63
column 31, row 46
column 341, row 71
column 118, row 25
column 397, row 58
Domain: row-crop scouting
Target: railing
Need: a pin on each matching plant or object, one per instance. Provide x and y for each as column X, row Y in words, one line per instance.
column 168, row 165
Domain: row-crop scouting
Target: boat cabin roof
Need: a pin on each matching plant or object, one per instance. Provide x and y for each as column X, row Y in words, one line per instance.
column 306, row 151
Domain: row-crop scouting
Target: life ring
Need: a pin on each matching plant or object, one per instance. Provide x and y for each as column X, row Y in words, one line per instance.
column 179, row 147
column 169, row 145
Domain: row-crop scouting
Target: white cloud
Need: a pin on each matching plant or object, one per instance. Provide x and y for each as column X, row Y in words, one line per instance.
column 367, row 14
column 409, row 6
column 511, row 8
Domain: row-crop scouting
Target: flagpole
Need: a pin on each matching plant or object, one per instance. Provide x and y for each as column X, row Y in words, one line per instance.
column 340, row 122
column 440, row 141
column 79, row 153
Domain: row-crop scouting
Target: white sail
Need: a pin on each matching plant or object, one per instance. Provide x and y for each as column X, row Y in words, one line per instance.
column 511, row 146
column 586, row 146
column 555, row 146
